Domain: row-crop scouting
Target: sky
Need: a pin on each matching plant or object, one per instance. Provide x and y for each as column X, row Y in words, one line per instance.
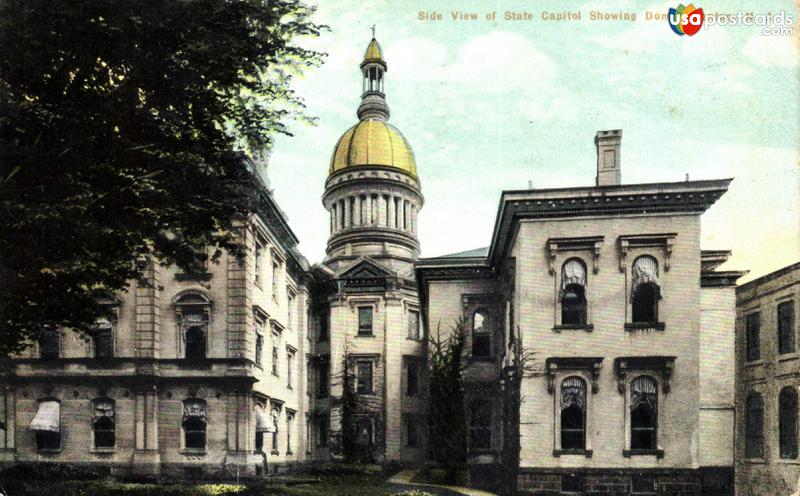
column 492, row 105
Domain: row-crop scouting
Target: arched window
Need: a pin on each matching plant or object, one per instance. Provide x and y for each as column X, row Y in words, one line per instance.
column 481, row 335
column 193, row 311
column 754, row 426
column 480, row 425
column 46, row 425
column 194, row 423
column 644, row 413
column 787, row 422
column 573, row 292
column 263, row 425
column 573, row 413
column 104, row 423
column 646, row 291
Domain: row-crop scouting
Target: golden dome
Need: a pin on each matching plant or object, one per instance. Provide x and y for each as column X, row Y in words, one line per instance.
column 373, row 142
column 374, row 51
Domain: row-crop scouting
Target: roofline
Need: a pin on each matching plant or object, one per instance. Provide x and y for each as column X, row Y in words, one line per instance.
column 768, row 277
column 599, row 192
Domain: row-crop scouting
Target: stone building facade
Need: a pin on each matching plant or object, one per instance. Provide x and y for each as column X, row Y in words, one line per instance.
column 768, row 377
column 189, row 374
column 630, row 327
column 366, row 324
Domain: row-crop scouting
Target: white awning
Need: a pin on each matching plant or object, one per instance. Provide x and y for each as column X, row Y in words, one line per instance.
column 48, row 417
column 263, row 422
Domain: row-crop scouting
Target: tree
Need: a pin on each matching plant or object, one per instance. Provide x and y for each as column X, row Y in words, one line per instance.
column 447, row 434
column 123, row 127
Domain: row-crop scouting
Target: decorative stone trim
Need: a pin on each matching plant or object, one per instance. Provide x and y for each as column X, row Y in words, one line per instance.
column 645, row 326
column 661, row 240
column 662, row 365
column 561, row 327
column 592, row 365
column 580, row 452
column 588, row 243
column 658, row 453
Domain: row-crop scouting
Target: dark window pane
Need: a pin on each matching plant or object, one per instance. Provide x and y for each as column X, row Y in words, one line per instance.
column 49, row 345
column 259, row 441
column 645, row 303
column 412, row 378
column 104, row 433
column 195, row 342
column 573, row 306
column 411, row 433
column 480, row 427
column 365, row 321
column 323, row 326
column 413, row 325
column 364, row 432
column 103, row 343
column 753, row 336
column 195, row 432
column 787, row 424
column 47, row 440
column 643, row 427
column 572, row 428
column 786, row 342
column 754, row 427
column 259, row 349
column 323, row 371
column 364, row 385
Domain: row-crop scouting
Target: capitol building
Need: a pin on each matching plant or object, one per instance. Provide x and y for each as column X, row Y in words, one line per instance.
column 240, row 368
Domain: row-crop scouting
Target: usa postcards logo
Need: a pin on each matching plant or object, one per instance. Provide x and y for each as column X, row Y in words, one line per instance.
column 686, row 20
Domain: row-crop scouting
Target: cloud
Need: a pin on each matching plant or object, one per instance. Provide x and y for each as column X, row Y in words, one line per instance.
column 772, row 51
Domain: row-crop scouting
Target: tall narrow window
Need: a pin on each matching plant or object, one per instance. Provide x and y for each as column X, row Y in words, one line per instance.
column 753, row 325
column 323, row 424
column 276, row 275
column 786, row 327
column 787, row 422
column 103, row 339
column 573, row 293
column 644, row 413
column 263, row 425
column 289, row 425
column 754, row 426
column 323, row 326
column 194, row 423
column 323, row 373
column 193, row 311
column 573, row 414
column 289, row 368
column 276, row 415
column 47, row 425
column 276, row 341
column 259, row 349
column 290, row 311
column 50, row 344
column 411, row 432
column 364, row 432
column 646, row 290
column 481, row 335
column 412, row 376
column 413, row 325
column 259, row 254
column 365, row 321
column 480, row 424
column 103, row 423
column 364, row 377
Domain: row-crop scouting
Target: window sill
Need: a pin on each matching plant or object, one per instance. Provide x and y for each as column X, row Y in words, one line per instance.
column 786, row 357
column 103, row 451
column 645, row 326
column 754, row 363
column 289, row 386
column 658, row 453
column 370, row 393
column 275, row 452
column 275, row 374
column 580, row 452
column 755, row 461
column 49, row 452
column 567, row 327
column 193, row 452
column 788, row 461
column 289, row 453
column 365, row 335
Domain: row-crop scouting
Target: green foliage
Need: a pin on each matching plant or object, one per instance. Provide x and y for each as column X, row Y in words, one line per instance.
column 123, row 126
column 447, row 433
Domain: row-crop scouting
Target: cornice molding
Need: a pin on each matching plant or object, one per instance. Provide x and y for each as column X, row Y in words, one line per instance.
column 592, row 244
column 664, row 241
column 661, row 365
column 591, row 365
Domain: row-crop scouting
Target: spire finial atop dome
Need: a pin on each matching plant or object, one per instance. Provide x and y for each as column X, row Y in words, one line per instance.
column 373, row 101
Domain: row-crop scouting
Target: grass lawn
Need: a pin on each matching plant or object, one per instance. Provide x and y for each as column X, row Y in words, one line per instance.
column 328, row 485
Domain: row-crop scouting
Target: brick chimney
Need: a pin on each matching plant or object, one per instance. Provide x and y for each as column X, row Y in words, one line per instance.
column 609, row 172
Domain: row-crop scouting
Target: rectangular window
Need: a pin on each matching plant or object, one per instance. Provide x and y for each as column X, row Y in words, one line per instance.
column 49, row 345
column 753, row 324
column 259, row 349
column 259, row 253
column 411, row 432
column 786, row 343
column 323, row 326
column 289, row 423
column 276, row 272
column 323, row 371
column 322, row 431
column 290, row 311
column 412, row 377
column 104, row 340
column 289, row 367
column 365, row 321
column 276, row 340
column 413, row 325
column 364, row 384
